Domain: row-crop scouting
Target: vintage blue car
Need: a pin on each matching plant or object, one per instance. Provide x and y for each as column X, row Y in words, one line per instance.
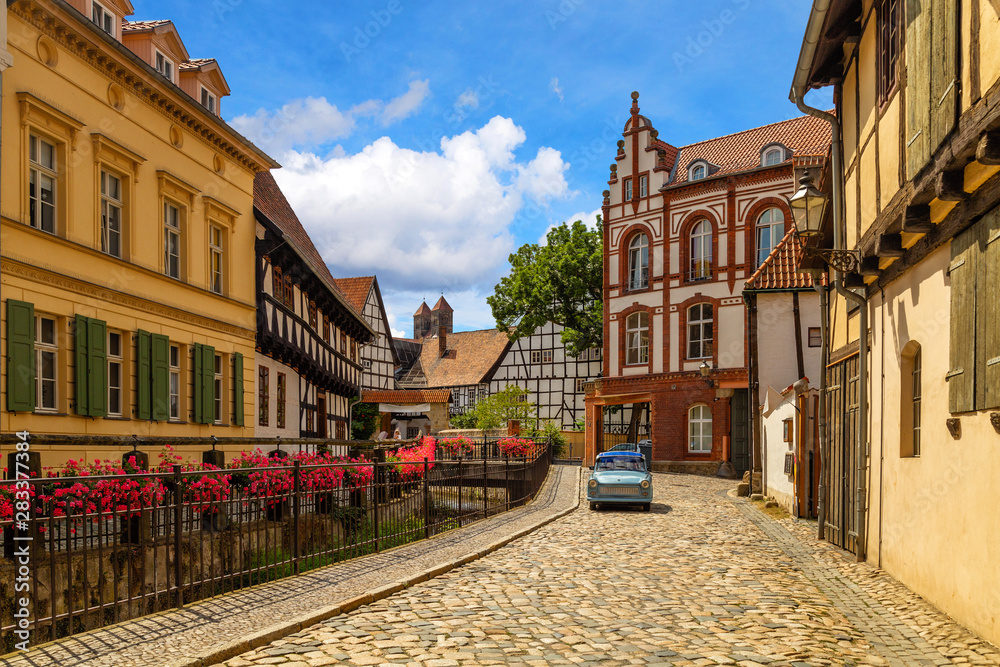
column 620, row 478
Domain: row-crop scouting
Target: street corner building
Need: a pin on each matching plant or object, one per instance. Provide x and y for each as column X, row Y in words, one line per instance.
column 309, row 335
column 913, row 245
column 685, row 228
column 128, row 304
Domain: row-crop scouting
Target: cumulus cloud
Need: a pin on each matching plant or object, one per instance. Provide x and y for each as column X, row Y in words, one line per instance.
column 314, row 121
column 554, row 87
column 467, row 100
column 589, row 219
column 423, row 221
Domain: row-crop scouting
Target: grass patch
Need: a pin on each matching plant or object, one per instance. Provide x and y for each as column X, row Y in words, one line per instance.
column 778, row 512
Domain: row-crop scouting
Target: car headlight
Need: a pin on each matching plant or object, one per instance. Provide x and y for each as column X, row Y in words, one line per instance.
column 592, row 483
column 644, row 484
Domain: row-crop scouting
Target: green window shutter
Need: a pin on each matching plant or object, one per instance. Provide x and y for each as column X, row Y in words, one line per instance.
column 81, row 356
column 160, row 369
column 963, row 271
column 198, row 384
column 988, row 336
column 142, row 377
column 97, row 367
column 238, row 389
column 944, row 70
column 918, row 88
column 208, row 384
column 20, row 356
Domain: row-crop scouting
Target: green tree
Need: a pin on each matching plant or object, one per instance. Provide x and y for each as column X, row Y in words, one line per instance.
column 561, row 282
column 510, row 403
column 365, row 421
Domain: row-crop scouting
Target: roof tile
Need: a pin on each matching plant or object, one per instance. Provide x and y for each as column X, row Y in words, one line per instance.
column 778, row 272
column 356, row 290
column 468, row 360
column 406, row 396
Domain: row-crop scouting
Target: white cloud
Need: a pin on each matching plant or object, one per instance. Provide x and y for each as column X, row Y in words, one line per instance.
column 314, row 121
column 423, row 221
column 589, row 219
column 406, row 104
column 467, row 100
column 554, row 87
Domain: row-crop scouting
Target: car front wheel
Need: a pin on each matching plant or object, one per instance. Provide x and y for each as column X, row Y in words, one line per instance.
column 645, row 508
column 593, row 506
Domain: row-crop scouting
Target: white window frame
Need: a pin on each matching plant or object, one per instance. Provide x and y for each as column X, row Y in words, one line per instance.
column 174, row 401
column 104, row 19
column 637, row 339
column 116, row 365
column 536, row 356
column 164, row 65
column 644, row 186
column 697, row 424
column 46, row 349
column 771, row 226
column 698, row 325
column 628, row 189
column 171, row 230
column 701, row 250
column 109, row 205
column 213, row 101
column 638, row 262
column 694, row 174
column 37, row 171
column 546, row 356
column 217, row 257
column 776, row 151
column 219, row 386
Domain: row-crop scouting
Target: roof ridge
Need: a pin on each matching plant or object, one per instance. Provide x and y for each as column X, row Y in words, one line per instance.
column 749, row 129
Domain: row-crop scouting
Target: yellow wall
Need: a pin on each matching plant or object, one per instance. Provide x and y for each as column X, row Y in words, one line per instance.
column 68, row 100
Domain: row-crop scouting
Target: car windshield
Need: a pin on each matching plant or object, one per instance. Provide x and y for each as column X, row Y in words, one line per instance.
column 621, row 463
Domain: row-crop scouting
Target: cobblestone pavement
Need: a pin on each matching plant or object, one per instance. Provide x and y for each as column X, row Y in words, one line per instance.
column 215, row 629
column 703, row 579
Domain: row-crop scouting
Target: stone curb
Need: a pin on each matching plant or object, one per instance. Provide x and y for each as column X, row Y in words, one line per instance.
column 263, row 637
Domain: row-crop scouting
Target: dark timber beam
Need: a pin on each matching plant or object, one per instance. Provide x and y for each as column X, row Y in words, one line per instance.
column 988, row 148
column 889, row 245
column 917, row 219
column 852, row 280
column 950, row 185
column 869, row 266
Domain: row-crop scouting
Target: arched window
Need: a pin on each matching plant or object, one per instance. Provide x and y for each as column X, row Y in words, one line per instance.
column 637, row 338
column 699, row 428
column 697, row 172
column 699, row 324
column 638, row 263
column 701, row 251
column 773, row 156
column 910, row 419
column 770, row 230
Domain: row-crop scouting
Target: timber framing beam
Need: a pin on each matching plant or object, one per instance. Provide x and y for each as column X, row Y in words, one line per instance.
column 917, row 219
column 889, row 245
column 869, row 266
column 988, row 148
column 950, row 185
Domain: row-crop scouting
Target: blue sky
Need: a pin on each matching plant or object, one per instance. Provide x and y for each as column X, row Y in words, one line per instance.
column 425, row 141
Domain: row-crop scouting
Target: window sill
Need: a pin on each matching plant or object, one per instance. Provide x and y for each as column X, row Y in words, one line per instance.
column 47, row 413
column 117, row 418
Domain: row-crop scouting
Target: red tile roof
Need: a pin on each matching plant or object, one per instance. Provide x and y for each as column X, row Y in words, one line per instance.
column 136, row 26
column 407, row 396
column 356, row 290
column 778, row 270
column 270, row 200
column 806, row 135
column 469, row 358
column 422, row 310
column 196, row 63
column 442, row 305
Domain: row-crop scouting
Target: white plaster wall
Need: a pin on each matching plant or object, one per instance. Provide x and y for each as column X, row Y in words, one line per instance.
column 778, row 484
column 291, row 429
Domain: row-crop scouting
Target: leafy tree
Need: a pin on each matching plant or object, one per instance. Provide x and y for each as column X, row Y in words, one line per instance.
column 365, row 420
column 466, row 420
column 510, row 403
column 561, row 282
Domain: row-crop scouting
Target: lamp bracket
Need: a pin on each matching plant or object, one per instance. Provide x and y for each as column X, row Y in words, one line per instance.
column 845, row 261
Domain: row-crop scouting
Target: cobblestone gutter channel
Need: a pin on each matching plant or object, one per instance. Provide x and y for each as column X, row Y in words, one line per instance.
column 214, row 630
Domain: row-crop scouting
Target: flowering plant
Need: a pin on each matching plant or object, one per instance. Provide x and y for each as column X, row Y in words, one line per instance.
column 119, row 493
column 516, row 447
column 357, row 476
column 320, row 479
column 207, row 492
column 458, row 446
column 264, row 481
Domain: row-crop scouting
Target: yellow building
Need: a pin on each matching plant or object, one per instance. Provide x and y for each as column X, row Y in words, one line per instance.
column 128, row 232
column 913, row 386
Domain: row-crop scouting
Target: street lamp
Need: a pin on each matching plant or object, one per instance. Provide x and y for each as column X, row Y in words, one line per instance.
column 705, row 369
column 808, row 206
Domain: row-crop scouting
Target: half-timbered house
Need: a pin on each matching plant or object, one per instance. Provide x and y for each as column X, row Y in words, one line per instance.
column 913, row 242
column 308, row 335
column 684, row 229
column 378, row 359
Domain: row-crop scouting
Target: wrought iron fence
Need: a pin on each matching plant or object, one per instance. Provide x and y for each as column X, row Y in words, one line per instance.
column 97, row 550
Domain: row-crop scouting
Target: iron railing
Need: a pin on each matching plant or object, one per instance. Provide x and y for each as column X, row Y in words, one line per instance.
column 91, row 561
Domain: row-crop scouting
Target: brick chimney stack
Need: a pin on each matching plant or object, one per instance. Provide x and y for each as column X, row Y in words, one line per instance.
column 442, row 340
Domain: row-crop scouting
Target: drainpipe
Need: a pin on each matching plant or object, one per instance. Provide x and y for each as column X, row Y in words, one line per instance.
column 824, row 360
column 850, row 295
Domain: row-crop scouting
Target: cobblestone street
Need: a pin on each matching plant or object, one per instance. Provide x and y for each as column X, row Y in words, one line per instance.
column 703, row 579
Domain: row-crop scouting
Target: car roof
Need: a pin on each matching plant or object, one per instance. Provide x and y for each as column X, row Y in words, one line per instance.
column 619, row 453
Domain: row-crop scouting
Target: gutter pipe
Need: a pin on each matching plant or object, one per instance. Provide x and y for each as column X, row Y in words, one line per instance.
column 800, row 86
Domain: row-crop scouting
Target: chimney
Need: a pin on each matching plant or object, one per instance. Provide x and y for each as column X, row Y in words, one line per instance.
column 442, row 341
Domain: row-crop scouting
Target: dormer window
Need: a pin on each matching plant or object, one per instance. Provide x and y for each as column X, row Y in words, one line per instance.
column 208, row 100
column 104, row 19
column 165, row 66
column 697, row 172
column 772, row 155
